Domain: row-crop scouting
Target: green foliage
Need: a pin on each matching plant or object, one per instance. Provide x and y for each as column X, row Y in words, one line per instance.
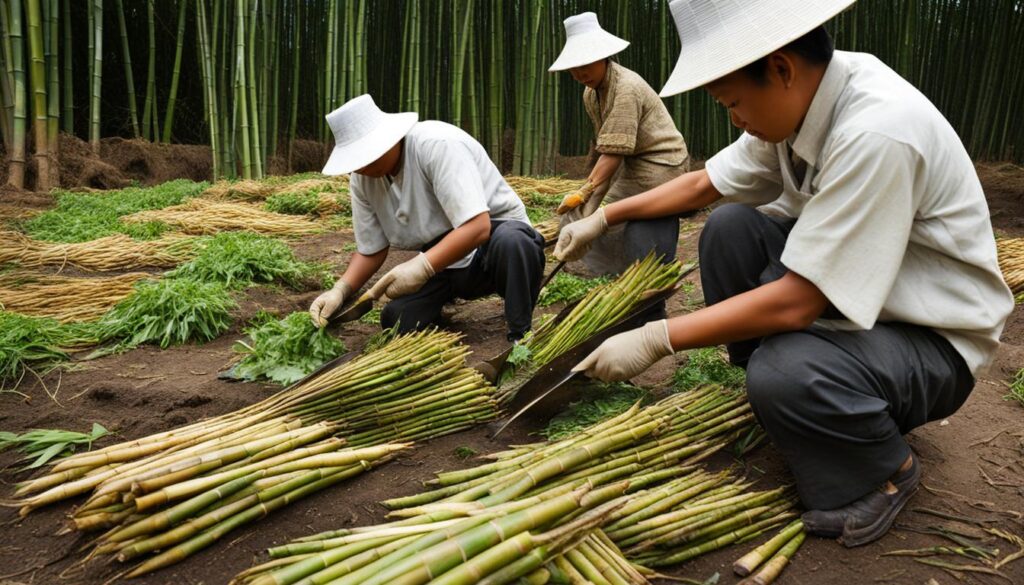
column 27, row 342
column 602, row 401
column 1019, row 299
column 239, row 259
column 45, row 444
column 372, row 317
column 292, row 203
column 538, row 214
column 350, row 247
column 169, row 312
column 1017, row 387
column 80, row 217
column 285, row 350
column 380, row 339
column 567, row 288
column 465, row 452
column 708, row 366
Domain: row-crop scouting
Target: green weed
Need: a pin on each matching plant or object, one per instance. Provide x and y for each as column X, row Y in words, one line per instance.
column 568, row 288
column 602, row 401
column 239, row 259
column 285, row 350
column 42, row 445
column 708, row 366
column 1017, row 387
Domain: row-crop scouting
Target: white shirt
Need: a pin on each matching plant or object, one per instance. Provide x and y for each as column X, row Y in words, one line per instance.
column 892, row 223
column 446, row 179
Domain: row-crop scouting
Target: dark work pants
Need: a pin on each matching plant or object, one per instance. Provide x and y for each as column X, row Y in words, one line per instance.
column 510, row 263
column 660, row 235
column 835, row 403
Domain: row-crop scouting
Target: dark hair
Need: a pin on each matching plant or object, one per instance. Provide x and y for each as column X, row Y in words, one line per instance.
column 814, row 47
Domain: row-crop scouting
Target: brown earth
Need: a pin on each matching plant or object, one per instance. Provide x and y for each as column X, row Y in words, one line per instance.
column 974, row 460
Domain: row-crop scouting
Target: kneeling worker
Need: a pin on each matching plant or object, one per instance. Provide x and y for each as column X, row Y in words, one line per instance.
column 429, row 186
column 853, row 272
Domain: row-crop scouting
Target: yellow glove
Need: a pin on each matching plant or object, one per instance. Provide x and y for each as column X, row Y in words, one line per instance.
column 628, row 354
column 574, row 200
column 404, row 279
column 575, row 238
column 327, row 303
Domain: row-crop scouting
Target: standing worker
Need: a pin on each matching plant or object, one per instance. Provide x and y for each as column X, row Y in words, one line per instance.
column 637, row 146
column 853, row 271
column 431, row 187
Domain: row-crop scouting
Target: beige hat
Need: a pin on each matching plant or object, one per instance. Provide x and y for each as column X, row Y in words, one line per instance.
column 722, row 36
column 586, row 42
column 363, row 133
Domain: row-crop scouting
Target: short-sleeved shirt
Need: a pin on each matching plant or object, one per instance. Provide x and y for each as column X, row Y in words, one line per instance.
column 446, row 179
column 891, row 221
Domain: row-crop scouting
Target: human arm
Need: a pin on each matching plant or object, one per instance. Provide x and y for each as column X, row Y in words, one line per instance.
column 602, row 172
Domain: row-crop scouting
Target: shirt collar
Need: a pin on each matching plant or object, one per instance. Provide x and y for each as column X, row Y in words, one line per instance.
column 809, row 140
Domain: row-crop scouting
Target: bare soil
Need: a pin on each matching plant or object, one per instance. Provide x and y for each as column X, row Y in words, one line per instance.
column 974, row 461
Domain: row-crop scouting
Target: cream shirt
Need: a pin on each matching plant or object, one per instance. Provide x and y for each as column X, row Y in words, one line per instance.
column 446, row 179
column 892, row 223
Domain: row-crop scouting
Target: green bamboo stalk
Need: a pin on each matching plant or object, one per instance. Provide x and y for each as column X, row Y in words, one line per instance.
column 40, row 122
column 149, row 129
column 176, row 73
column 254, row 102
column 16, row 169
column 753, row 559
column 126, row 57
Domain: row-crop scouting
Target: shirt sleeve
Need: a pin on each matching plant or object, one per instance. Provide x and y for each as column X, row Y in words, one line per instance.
column 747, row 171
column 370, row 236
column 456, row 181
column 618, row 133
column 851, row 237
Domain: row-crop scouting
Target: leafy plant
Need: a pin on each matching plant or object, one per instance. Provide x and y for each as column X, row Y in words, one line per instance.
column 285, row 350
column 292, row 203
column 238, row 259
column 708, row 366
column 169, row 312
column 27, row 342
column 80, row 217
column 567, row 288
column 45, row 444
column 372, row 317
column 1017, row 387
column 465, row 452
column 602, row 401
column 538, row 214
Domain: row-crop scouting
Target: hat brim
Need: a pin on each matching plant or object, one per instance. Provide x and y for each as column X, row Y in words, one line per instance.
column 713, row 56
column 359, row 153
column 588, row 48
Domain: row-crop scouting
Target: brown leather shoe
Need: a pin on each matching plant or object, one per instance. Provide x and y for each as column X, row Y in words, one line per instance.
column 868, row 518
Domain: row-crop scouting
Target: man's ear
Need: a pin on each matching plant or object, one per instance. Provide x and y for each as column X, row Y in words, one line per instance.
column 781, row 65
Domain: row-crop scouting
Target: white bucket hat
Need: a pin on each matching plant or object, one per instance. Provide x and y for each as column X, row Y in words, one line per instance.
column 586, row 42
column 363, row 133
column 722, row 36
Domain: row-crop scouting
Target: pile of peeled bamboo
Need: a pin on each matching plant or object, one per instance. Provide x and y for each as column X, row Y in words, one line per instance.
column 549, row 230
column 255, row 190
column 601, row 307
column 181, row 490
column 117, row 252
column 1011, row 262
column 64, row 298
column 8, row 211
column 631, row 483
column 204, row 216
column 548, row 186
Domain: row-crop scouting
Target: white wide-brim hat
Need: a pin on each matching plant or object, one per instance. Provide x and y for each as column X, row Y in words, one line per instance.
column 586, row 42
column 722, row 36
column 363, row 133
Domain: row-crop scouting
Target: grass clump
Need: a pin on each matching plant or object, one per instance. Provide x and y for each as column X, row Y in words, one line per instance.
column 43, row 445
column 601, row 402
column 80, row 217
column 708, row 366
column 285, row 350
column 169, row 312
column 372, row 317
column 239, row 259
column 293, row 203
column 567, row 288
column 1017, row 387
column 32, row 342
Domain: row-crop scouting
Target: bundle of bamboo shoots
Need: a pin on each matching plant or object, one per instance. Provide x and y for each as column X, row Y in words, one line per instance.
column 603, row 306
column 64, row 298
column 548, row 186
column 118, row 252
column 633, row 470
column 1011, row 262
column 256, row 190
column 203, row 216
column 182, row 487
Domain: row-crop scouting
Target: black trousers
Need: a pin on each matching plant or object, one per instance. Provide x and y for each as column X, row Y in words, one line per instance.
column 510, row 263
column 660, row 235
column 835, row 403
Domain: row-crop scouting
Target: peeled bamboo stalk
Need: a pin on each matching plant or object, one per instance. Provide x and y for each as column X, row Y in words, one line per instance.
column 203, row 217
column 118, row 252
column 66, row 299
column 1011, row 262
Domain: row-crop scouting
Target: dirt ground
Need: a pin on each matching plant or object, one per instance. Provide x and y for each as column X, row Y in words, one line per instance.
column 974, row 461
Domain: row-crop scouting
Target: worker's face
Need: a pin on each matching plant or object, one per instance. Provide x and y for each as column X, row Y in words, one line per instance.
column 590, row 75
column 772, row 110
column 385, row 165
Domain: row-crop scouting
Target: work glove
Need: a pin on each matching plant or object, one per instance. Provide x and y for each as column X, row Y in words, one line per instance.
column 625, row 355
column 404, row 279
column 327, row 303
column 574, row 200
column 575, row 239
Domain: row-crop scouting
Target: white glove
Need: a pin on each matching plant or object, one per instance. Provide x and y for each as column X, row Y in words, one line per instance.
column 327, row 303
column 404, row 279
column 575, row 239
column 625, row 355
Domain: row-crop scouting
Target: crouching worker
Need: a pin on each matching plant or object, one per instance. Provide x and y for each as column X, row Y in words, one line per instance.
column 431, row 187
column 853, row 271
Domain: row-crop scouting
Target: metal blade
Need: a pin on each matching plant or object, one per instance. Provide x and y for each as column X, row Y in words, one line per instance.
column 569, row 375
column 354, row 311
column 552, row 274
